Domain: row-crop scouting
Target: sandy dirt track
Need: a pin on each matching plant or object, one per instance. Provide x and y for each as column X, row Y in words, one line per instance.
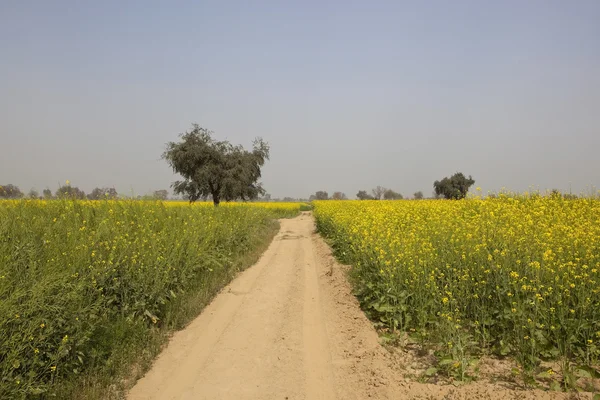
column 289, row 328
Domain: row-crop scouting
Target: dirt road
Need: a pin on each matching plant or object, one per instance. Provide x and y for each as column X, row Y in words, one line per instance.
column 286, row 328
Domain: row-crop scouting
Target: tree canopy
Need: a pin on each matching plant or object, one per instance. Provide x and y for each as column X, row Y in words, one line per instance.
column 33, row 194
column 456, row 187
column 10, row 192
column 389, row 194
column 320, row 195
column 70, row 192
column 363, row 195
column 339, row 196
column 103, row 193
column 162, row 194
column 378, row 192
column 216, row 168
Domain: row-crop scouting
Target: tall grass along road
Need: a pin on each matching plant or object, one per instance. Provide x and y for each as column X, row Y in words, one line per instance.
column 89, row 289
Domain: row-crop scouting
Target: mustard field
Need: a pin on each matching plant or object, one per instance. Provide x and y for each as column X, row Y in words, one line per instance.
column 513, row 276
column 83, row 281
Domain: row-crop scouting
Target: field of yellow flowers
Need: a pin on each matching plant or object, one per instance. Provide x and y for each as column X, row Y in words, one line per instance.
column 280, row 209
column 84, row 282
column 513, row 276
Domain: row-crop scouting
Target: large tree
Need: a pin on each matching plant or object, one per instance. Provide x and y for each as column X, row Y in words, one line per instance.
column 10, row 192
column 103, row 193
column 339, row 196
column 363, row 195
column 389, row 194
column 456, row 187
column 70, row 192
column 162, row 194
column 378, row 192
column 320, row 195
column 33, row 194
column 216, row 168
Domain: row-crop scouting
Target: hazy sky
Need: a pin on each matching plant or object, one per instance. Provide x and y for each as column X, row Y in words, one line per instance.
column 350, row 94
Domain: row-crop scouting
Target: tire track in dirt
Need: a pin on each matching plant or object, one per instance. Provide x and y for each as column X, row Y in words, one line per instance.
column 317, row 357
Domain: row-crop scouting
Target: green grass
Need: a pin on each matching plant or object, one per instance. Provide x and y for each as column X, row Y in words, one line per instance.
column 90, row 291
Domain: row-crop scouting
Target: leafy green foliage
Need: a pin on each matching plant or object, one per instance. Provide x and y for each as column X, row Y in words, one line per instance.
column 33, row 194
column 363, row 195
column 162, row 195
column 79, row 278
column 418, row 195
column 103, row 194
column 10, row 192
column 389, row 194
column 70, row 192
column 320, row 195
column 456, row 187
column 216, row 168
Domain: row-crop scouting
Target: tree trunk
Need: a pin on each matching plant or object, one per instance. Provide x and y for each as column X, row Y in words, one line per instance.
column 216, row 193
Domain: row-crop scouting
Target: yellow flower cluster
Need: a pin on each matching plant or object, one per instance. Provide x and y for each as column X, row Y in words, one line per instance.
column 522, row 272
column 285, row 208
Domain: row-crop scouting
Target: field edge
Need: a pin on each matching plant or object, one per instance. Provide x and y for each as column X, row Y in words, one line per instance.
column 132, row 359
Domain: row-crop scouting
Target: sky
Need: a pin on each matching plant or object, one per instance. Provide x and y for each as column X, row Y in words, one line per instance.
column 349, row 94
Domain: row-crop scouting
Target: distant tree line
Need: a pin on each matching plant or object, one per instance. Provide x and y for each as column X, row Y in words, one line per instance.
column 454, row 187
column 378, row 193
column 68, row 191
